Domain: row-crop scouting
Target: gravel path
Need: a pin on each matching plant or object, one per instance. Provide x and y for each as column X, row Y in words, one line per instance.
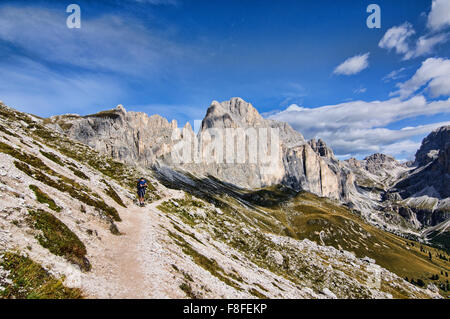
column 137, row 264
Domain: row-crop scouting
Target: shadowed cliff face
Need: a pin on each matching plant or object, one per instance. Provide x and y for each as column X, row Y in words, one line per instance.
column 432, row 145
column 423, row 194
column 432, row 172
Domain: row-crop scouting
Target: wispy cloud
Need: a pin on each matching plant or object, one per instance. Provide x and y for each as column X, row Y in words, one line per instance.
column 48, row 68
column 396, row 38
column 394, row 75
column 359, row 127
column 34, row 88
column 433, row 77
column 107, row 43
column 353, row 65
column 400, row 38
column 360, row 90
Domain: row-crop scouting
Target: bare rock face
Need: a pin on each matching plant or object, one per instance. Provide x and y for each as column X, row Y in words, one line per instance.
column 377, row 162
column 137, row 138
column 299, row 165
column 425, row 190
column 231, row 114
column 432, row 145
column 305, row 169
column 444, row 158
column 131, row 137
column 432, row 169
column 321, row 148
column 377, row 171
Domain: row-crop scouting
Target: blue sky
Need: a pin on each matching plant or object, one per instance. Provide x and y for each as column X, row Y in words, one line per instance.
column 314, row 64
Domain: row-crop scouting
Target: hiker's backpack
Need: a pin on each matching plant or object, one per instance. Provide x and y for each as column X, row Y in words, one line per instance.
column 139, row 184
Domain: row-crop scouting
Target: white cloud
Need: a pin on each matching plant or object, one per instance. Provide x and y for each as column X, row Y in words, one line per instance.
column 433, row 76
column 360, row 90
column 358, row 128
column 397, row 38
column 425, row 45
column 106, row 43
column 32, row 87
column 394, row 75
column 353, row 65
column 439, row 16
column 406, row 148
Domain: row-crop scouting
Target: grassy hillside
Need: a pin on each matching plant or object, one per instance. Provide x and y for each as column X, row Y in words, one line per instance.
column 280, row 210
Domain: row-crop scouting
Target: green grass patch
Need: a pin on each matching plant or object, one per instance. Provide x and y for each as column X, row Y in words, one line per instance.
column 71, row 187
column 206, row 263
column 14, row 116
column 43, row 198
column 8, row 132
column 59, row 239
column 25, row 143
column 182, row 207
column 53, row 157
column 113, row 194
column 186, row 287
column 31, row 281
column 28, row 158
column 257, row 294
column 109, row 114
column 79, row 173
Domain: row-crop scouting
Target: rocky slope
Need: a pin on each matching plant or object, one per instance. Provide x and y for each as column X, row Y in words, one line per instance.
column 378, row 171
column 131, row 137
column 68, row 214
column 423, row 195
column 389, row 194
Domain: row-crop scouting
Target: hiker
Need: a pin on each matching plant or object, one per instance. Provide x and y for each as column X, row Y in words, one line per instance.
column 141, row 186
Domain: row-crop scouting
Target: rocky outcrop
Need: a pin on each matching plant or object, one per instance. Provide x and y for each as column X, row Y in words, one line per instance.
column 131, row 137
column 432, row 172
column 300, row 166
column 377, row 171
column 321, row 148
column 432, row 145
column 424, row 192
column 137, row 138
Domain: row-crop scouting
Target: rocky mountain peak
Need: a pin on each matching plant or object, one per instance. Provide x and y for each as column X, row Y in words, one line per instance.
column 187, row 127
column 380, row 158
column 382, row 164
column 321, row 148
column 121, row 109
column 233, row 113
column 432, row 145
